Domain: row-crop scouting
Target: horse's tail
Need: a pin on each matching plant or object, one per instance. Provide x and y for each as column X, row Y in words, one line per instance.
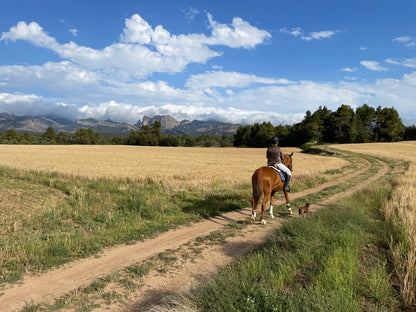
column 257, row 184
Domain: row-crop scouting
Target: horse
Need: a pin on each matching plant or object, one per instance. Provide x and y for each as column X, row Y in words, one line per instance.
column 267, row 181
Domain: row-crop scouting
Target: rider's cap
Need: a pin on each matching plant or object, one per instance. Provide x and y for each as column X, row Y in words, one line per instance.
column 275, row 139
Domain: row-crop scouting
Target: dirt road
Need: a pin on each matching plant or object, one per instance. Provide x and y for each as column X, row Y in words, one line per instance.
column 51, row 285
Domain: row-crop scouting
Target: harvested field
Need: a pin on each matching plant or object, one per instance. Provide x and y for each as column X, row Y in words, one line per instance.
column 176, row 167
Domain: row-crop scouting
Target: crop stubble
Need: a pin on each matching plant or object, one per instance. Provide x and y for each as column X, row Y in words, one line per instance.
column 176, row 167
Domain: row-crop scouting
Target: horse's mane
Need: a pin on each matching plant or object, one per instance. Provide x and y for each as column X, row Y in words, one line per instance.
column 287, row 158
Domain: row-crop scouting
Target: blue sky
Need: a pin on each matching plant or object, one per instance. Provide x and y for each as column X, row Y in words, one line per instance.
column 233, row 61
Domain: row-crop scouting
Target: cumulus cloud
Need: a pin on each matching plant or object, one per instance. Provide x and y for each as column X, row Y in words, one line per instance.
column 111, row 82
column 51, row 76
column 31, row 104
column 239, row 35
column 142, row 49
column 373, row 65
column 267, row 102
column 30, row 32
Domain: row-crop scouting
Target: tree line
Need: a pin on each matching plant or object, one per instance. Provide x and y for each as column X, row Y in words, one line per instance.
column 364, row 125
column 146, row 136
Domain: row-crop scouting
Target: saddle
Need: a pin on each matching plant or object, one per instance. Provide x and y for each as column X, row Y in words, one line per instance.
column 282, row 175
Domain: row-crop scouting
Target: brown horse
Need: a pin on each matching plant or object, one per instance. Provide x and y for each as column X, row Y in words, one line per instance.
column 267, row 181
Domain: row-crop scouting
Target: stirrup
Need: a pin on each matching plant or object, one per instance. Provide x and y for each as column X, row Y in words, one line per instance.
column 286, row 188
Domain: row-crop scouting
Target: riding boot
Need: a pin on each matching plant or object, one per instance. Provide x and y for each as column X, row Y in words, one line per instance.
column 286, row 187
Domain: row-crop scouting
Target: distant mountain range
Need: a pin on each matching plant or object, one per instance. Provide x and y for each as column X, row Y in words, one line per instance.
column 108, row 127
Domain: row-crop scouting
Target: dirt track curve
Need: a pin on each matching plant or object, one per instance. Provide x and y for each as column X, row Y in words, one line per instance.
column 51, row 285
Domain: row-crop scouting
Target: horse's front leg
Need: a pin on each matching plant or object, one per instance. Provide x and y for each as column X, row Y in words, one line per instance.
column 289, row 209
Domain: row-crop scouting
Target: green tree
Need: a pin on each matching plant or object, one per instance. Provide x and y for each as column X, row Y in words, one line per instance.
column 343, row 120
column 410, row 133
column 49, row 136
column 187, row 140
column 366, row 117
column 26, row 138
column 170, row 140
column 389, row 126
column 62, row 138
column 242, row 136
column 261, row 134
column 11, row 137
column 86, row 136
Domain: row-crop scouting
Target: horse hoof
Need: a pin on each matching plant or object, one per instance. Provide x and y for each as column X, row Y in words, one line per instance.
column 263, row 222
column 290, row 211
column 272, row 216
column 253, row 219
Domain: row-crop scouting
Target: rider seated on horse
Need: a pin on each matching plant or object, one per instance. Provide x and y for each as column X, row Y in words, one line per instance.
column 275, row 157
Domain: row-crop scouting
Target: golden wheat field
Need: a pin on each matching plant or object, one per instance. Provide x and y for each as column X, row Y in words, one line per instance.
column 401, row 205
column 178, row 167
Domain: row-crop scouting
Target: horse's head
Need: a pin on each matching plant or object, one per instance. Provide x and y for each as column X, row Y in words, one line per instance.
column 288, row 160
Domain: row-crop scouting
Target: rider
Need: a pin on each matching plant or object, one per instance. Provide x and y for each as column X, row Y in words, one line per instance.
column 275, row 157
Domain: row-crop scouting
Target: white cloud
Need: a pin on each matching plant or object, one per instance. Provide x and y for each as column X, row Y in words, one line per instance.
column 408, row 41
column 294, row 31
column 240, row 35
column 51, row 76
column 111, row 82
column 350, row 78
column 349, row 69
column 373, row 65
column 143, row 50
column 137, row 30
column 274, row 103
column 190, row 14
column 409, row 62
column 318, row 35
column 30, row 32
column 228, row 80
column 74, row 32
column 31, row 104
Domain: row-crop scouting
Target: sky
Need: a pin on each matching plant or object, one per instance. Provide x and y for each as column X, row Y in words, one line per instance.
column 233, row 61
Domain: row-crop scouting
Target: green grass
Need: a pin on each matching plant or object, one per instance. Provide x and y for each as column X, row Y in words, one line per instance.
column 93, row 214
column 335, row 260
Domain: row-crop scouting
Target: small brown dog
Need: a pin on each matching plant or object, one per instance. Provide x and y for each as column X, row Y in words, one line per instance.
column 304, row 210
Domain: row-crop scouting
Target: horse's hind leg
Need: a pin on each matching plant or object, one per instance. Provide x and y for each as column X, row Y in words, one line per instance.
column 271, row 205
column 253, row 209
column 263, row 207
column 289, row 209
